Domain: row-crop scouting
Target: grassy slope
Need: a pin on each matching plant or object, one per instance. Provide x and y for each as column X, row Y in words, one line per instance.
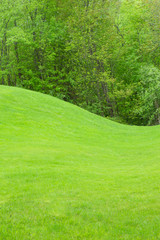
column 68, row 174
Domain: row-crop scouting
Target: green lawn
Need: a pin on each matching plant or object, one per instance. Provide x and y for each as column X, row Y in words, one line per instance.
column 68, row 174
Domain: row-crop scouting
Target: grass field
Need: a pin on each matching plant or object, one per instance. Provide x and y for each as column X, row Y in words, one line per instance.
column 68, row 174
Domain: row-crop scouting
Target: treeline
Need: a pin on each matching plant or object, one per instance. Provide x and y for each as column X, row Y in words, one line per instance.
column 103, row 55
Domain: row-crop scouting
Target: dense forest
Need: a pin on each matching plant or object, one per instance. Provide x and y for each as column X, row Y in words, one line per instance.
column 102, row 55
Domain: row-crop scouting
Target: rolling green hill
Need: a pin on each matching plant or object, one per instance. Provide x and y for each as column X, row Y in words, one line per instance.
column 68, row 174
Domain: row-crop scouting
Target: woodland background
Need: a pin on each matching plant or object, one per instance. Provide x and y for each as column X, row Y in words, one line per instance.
column 102, row 55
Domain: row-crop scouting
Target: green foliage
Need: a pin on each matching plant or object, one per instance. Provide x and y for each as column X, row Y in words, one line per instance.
column 91, row 54
column 34, row 44
column 149, row 110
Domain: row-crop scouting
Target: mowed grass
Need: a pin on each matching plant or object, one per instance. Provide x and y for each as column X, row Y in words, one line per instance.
column 68, row 174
